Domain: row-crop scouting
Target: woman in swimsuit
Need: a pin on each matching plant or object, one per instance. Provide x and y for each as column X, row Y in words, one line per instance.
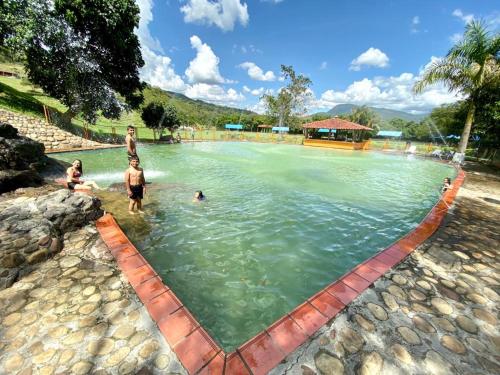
column 73, row 178
column 446, row 184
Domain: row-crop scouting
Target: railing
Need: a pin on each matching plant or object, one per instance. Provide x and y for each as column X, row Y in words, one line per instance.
column 401, row 146
column 344, row 145
column 233, row 136
column 116, row 134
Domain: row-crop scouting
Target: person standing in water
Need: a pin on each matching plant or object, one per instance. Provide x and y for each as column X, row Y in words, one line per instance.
column 135, row 184
column 130, row 141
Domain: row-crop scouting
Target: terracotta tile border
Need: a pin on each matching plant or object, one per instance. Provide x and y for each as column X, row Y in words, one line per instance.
column 200, row 354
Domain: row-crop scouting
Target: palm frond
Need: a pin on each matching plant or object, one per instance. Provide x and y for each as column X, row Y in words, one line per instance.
column 450, row 72
column 474, row 46
column 494, row 47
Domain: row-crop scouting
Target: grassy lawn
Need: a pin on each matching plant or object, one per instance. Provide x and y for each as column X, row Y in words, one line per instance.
column 19, row 95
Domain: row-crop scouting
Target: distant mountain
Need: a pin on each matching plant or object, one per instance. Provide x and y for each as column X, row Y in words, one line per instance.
column 384, row 113
column 177, row 97
column 196, row 111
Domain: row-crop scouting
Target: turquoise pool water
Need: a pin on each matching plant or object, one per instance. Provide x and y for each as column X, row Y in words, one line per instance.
column 280, row 222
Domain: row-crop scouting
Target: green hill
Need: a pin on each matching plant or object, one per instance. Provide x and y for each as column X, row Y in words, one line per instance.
column 17, row 94
column 196, row 111
column 385, row 114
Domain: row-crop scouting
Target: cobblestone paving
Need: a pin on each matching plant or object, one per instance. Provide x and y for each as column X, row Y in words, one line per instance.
column 436, row 313
column 76, row 314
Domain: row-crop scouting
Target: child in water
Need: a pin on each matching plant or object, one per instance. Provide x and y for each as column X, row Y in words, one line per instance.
column 198, row 196
column 135, row 184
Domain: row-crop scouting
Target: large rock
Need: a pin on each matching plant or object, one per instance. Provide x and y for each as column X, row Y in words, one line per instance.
column 11, row 179
column 20, row 157
column 32, row 229
column 17, row 152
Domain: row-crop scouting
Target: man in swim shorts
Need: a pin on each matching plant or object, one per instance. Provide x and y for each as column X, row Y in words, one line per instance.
column 135, row 184
column 130, row 141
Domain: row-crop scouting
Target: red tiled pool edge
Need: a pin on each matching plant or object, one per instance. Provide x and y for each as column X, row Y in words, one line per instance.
column 199, row 353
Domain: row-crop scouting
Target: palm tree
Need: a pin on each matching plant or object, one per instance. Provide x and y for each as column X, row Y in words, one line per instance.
column 364, row 116
column 467, row 68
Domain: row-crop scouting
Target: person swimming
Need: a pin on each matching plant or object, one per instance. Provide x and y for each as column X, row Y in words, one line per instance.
column 198, row 196
column 73, row 175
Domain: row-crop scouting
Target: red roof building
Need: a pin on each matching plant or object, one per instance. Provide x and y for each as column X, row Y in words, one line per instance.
column 350, row 139
column 335, row 123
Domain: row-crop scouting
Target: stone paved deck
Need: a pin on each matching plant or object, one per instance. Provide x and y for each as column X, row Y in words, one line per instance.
column 435, row 313
column 76, row 314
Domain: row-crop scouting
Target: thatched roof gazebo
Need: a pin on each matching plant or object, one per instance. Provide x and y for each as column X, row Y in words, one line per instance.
column 346, row 135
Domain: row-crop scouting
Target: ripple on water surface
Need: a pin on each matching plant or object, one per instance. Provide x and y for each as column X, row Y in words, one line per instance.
column 279, row 222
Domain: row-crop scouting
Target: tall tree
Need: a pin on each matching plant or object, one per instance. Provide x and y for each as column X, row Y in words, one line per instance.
column 467, row 68
column 82, row 52
column 159, row 117
column 291, row 99
column 12, row 17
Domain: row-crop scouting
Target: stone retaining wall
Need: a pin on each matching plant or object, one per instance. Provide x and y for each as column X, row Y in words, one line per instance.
column 51, row 136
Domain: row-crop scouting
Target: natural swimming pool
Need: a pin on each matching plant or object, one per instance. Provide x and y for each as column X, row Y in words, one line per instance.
column 280, row 222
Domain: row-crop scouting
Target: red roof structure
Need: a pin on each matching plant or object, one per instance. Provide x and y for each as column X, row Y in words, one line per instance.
column 335, row 123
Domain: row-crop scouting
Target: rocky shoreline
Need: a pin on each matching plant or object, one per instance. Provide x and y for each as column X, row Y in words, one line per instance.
column 33, row 228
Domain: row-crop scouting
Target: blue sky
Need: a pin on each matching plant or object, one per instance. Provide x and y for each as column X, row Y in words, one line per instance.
column 229, row 52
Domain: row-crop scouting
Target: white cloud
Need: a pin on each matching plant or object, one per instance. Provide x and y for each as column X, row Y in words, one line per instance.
column 204, row 68
column 259, row 107
column 493, row 20
column 159, row 72
column 146, row 16
column 222, row 13
column 257, row 73
column 371, row 57
column 158, row 69
column 415, row 21
column 455, row 38
column 215, row 94
column 256, row 92
column 271, row 1
column 246, row 49
column 323, row 65
column 466, row 18
column 394, row 92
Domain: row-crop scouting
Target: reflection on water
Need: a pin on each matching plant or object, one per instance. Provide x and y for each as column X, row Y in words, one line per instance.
column 279, row 222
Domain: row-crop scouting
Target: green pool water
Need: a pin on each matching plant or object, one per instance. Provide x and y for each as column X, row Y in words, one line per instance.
column 280, row 222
